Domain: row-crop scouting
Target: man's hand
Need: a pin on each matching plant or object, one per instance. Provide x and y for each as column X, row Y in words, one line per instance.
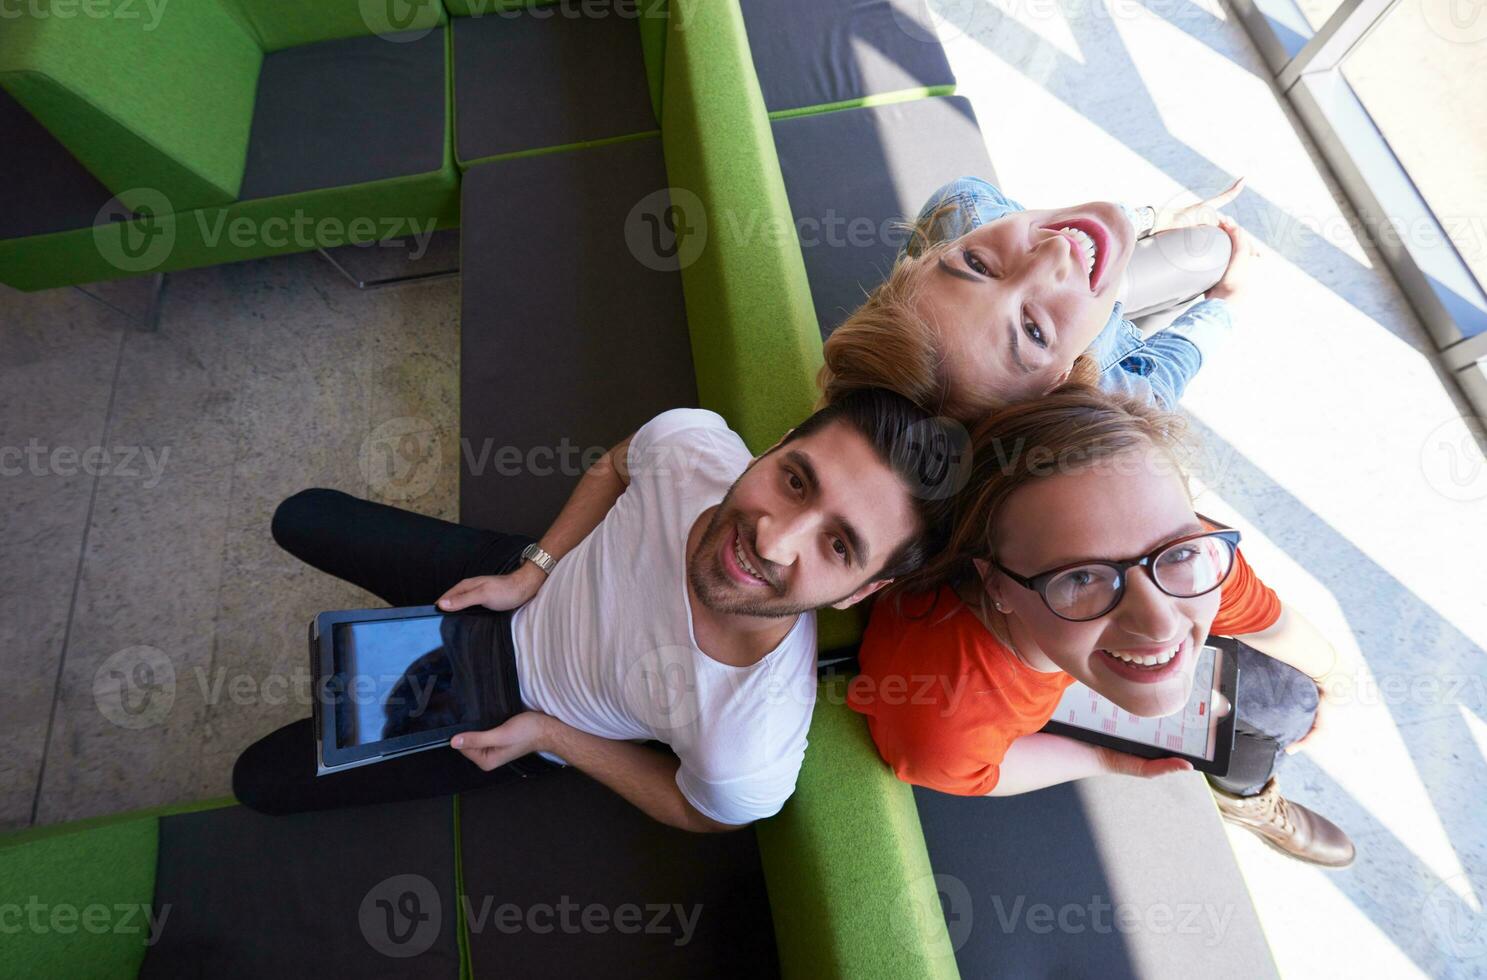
column 498, row 592
column 519, row 735
column 1125, row 764
column 1202, row 213
column 1241, row 258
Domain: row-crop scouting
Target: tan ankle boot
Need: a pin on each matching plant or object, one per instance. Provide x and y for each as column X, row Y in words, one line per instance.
column 1288, row 827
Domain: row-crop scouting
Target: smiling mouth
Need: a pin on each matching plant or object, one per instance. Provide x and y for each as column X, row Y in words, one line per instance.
column 1144, row 660
column 1144, row 666
column 742, row 566
column 1090, row 242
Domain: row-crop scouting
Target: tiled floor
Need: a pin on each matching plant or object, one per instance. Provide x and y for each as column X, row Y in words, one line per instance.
column 1328, row 437
column 261, row 379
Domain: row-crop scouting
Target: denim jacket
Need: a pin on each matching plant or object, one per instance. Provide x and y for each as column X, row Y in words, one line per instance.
column 1156, row 369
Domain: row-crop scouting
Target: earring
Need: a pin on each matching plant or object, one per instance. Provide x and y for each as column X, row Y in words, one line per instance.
column 1001, row 608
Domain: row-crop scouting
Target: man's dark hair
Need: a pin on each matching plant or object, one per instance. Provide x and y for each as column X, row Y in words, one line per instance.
column 910, row 442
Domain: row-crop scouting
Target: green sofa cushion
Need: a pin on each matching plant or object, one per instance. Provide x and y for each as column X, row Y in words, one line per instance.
column 755, row 339
column 279, row 24
column 850, row 883
column 243, row 230
column 73, row 897
column 846, row 855
column 141, row 104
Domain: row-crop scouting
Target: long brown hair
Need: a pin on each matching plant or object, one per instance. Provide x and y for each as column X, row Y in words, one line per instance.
column 1073, row 428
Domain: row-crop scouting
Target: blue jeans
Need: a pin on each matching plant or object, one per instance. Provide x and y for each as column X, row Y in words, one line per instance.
column 1277, row 704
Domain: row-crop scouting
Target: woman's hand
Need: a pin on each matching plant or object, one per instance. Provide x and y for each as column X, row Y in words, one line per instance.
column 1202, row 213
column 1125, row 764
column 1242, row 257
column 517, row 736
column 498, row 592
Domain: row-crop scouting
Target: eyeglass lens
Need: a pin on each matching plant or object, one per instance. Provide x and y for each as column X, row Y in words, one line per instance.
column 1187, row 568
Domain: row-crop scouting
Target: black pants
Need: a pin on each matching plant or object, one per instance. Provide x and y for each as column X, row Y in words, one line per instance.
column 405, row 559
column 1277, row 704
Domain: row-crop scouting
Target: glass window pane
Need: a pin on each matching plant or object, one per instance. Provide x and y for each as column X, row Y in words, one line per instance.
column 1317, row 11
column 1421, row 75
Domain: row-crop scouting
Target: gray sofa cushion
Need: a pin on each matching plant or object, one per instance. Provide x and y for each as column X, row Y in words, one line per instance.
column 345, row 112
column 542, row 854
column 42, row 186
column 568, row 342
column 828, row 51
column 548, row 76
column 851, row 175
column 365, row 891
column 1107, row 877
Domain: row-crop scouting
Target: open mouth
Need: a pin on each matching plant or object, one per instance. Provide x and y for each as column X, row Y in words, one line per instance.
column 1090, row 242
column 1145, row 665
column 738, row 565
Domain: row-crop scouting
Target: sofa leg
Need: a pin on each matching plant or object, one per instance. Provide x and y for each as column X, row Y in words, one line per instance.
column 360, row 283
column 147, row 320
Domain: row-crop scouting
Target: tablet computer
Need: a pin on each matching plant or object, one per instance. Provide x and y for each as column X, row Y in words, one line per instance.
column 389, row 682
column 1197, row 733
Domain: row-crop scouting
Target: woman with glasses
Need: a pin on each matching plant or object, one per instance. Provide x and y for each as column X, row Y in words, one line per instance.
column 1077, row 555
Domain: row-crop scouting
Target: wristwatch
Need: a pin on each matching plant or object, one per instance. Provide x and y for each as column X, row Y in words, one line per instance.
column 534, row 554
column 1146, row 221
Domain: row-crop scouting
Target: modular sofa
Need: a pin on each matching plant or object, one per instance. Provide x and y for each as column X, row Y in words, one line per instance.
column 658, row 210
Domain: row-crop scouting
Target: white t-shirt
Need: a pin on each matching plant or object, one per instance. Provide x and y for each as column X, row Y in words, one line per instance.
column 607, row 644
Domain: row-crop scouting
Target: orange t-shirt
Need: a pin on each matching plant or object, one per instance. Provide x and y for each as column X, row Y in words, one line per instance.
column 944, row 699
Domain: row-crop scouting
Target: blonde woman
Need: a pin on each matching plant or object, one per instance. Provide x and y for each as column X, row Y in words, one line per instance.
column 991, row 303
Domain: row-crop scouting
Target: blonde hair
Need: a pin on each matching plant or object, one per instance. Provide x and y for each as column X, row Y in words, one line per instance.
column 888, row 342
column 1077, row 426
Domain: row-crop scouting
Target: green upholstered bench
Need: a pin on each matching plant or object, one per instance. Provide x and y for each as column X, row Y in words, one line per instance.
column 230, row 129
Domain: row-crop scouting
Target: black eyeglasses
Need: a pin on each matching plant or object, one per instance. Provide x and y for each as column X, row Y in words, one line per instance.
column 1187, row 567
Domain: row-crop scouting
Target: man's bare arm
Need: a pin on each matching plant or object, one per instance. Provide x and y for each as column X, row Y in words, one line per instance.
column 595, row 494
column 644, row 776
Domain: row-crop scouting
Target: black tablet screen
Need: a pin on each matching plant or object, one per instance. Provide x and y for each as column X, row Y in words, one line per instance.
column 395, row 677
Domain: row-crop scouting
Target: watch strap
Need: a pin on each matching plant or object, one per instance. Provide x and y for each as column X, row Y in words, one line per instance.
column 534, row 554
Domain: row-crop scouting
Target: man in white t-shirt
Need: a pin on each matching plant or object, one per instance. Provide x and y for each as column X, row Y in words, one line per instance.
column 672, row 600
column 680, row 605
